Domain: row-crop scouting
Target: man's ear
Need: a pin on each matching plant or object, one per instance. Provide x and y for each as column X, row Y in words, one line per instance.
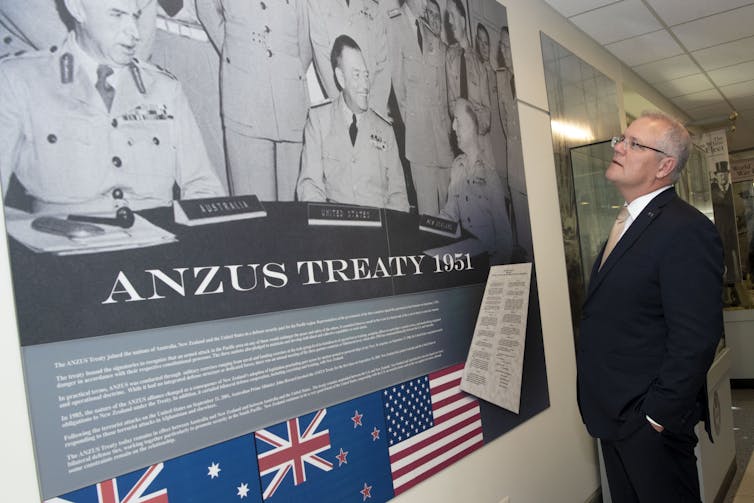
column 667, row 165
column 76, row 9
column 339, row 78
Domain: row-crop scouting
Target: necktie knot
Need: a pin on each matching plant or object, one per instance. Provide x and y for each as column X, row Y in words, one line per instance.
column 353, row 130
column 103, row 86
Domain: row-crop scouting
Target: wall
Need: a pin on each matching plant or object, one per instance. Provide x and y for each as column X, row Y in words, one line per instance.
column 550, row 457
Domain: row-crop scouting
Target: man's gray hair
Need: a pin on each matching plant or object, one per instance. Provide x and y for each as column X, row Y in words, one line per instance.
column 675, row 142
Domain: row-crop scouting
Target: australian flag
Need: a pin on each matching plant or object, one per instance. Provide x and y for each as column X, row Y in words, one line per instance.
column 225, row 472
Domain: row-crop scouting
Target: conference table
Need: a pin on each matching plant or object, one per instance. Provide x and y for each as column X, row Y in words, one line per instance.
column 230, row 269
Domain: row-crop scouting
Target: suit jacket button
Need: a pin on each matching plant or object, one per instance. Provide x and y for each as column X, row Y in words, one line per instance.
column 52, row 138
column 117, row 193
column 156, row 140
column 269, row 53
column 117, row 162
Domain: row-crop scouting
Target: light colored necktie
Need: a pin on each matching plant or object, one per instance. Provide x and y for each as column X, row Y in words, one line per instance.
column 615, row 232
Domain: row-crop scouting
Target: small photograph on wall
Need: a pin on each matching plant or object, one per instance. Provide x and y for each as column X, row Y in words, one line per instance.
column 228, row 217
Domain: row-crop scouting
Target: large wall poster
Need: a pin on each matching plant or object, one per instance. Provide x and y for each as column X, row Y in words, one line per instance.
column 269, row 358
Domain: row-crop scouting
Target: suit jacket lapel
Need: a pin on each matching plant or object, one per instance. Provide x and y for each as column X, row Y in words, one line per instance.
column 637, row 228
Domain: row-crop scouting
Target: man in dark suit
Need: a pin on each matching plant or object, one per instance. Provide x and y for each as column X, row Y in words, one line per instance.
column 651, row 322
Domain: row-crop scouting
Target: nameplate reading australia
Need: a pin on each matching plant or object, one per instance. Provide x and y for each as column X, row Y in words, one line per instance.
column 217, row 209
column 440, row 226
column 338, row 214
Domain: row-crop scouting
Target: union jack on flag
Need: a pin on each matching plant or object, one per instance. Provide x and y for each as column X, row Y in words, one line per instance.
column 292, row 453
column 107, row 491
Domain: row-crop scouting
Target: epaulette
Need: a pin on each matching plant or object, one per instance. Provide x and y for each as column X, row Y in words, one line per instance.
column 393, row 13
column 163, row 71
column 322, row 103
column 386, row 120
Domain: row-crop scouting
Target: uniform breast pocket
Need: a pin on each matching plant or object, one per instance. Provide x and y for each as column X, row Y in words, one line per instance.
column 148, row 158
column 332, row 164
column 413, row 69
column 71, row 159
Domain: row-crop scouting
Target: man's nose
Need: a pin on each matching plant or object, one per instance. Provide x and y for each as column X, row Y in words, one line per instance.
column 131, row 27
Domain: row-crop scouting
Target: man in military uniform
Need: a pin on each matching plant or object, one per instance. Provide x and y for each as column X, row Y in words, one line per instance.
column 476, row 198
column 182, row 47
column 265, row 53
column 496, row 132
column 364, row 22
column 350, row 154
column 418, row 71
column 90, row 128
column 466, row 76
column 434, row 19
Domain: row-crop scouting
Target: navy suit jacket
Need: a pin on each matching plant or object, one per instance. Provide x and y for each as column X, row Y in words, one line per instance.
column 651, row 322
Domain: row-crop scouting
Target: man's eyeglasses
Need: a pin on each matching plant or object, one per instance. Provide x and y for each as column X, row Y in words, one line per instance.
column 634, row 145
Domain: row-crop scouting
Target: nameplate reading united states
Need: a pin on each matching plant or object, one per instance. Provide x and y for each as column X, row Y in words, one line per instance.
column 338, row 214
column 217, row 209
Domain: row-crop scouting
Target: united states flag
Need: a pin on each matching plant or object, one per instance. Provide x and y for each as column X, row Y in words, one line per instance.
column 431, row 425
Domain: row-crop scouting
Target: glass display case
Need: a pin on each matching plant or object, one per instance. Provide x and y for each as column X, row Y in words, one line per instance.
column 597, row 200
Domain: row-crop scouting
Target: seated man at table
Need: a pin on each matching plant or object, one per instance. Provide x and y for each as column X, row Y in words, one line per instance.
column 476, row 197
column 89, row 127
column 350, row 155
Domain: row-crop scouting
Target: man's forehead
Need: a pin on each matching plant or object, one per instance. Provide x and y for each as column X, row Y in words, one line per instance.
column 130, row 6
column 353, row 58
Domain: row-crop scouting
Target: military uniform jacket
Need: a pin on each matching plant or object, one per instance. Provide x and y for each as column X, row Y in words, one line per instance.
column 420, row 89
column 478, row 87
column 476, row 199
column 363, row 21
column 265, row 53
column 368, row 173
column 71, row 154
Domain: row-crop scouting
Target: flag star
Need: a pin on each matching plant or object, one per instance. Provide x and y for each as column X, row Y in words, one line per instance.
column 342, row 457
column 357, row 419
column 213, row 470
column 366, row 492
column 243, row 490
column 375, row 434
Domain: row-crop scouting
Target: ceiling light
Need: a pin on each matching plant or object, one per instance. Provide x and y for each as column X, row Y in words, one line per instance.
column 572, row 131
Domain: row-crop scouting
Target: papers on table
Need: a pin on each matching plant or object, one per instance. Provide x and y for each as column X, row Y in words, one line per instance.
column 143, row 233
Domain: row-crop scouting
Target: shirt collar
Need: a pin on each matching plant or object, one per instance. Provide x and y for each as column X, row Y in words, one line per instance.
column 347, row 112
column 637, row 205
column 409, row 14
column 89, row 65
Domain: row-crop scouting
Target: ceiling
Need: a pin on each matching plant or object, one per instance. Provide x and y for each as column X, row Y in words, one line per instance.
column 697, row 53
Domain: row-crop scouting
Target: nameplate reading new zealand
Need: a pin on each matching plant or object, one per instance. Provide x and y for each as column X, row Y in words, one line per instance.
column 440, row 226
column 339, row 214
column 217, row 209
